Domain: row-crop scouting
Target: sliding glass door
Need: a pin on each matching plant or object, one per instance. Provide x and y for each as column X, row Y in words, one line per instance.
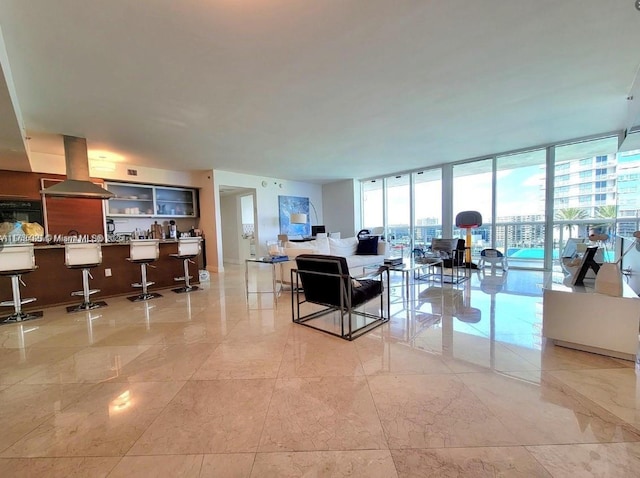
column 427, row 204
column 520, row 208
column 473, row 191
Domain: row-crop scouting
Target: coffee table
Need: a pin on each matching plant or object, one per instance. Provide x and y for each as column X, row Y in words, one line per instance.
column 417, row 267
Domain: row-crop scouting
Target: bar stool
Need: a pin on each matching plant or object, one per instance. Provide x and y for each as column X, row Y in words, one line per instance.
column 85, row 256
column 16, row 260
column 188, row 248
column 144, row 252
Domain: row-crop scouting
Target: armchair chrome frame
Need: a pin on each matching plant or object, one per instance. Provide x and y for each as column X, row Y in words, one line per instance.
column 452, row 258
column 325, row 281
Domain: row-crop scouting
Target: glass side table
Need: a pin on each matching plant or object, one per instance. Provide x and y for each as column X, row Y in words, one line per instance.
column 275, row 290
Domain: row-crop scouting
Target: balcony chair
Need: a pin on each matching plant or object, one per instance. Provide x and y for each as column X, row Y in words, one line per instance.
column 16, row 260
column 327, row 285
column 85, row 256
column 144, row 252
column 493, row 257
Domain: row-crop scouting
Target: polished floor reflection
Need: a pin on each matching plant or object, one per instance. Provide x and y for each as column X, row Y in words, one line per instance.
column 458, row 383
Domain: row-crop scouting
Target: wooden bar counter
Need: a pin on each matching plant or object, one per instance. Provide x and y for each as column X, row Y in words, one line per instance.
column 52, row 283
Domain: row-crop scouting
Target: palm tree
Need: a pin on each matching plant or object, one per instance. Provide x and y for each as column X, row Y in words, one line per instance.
column 606, row 212
column 569, row 214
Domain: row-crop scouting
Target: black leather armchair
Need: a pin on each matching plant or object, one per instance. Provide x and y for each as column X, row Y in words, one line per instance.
column 330, row 292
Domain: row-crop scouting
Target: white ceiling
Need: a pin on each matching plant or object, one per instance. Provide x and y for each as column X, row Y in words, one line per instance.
column 319, row 90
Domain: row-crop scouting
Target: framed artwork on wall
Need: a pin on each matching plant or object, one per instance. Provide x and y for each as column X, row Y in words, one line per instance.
column 296, row 206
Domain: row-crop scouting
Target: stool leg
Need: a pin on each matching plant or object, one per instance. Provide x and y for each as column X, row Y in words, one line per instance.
column 17, row 301
column 85, row 287
column 143, row 268
column 187, row 284
column 186, row 274
column 15, row 290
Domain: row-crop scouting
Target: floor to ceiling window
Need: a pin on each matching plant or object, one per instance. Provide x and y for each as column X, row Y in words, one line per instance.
column 427, row 200
column 372, row 204
column 628, row 179
column 473, row 191
column 398, row 205
column 595, row 189
column 585, row 190
column 520, row 207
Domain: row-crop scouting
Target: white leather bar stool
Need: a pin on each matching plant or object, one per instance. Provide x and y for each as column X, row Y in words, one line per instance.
column 85, row 256
column 188, row 248
column 144, row 252
column 16, row 260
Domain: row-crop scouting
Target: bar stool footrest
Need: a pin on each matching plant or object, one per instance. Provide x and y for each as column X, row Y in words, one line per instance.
column 9, row 303
column 181, row 278
column 81, row 292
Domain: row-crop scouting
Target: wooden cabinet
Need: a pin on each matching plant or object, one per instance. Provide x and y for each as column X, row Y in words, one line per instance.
column 19, row 185
column 63, row 215
column 140, row 200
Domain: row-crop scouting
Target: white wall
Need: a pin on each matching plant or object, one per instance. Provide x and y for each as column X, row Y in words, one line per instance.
column 267, row 191
column 229, row 229
column 338, row 202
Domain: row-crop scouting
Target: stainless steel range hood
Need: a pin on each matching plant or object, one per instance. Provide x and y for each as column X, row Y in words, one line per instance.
column 77, row 183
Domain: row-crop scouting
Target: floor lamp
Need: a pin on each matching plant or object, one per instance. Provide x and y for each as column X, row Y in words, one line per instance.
column 468, row 220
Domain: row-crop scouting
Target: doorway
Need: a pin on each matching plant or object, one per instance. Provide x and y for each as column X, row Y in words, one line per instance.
column 238, row 220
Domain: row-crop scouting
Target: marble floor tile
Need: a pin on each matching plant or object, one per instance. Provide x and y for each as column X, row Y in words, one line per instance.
column 234, row 360
column 615, row 390
column 93, row 364
column 325, row 464
column 218, row 416
column 204, row 384
column 232, row 465
column 28, row 334
column 562, row 416
column 163, row 363
column 317, row 414
column 427, row 411
column 183, row 466
column 205, row 332
column 106, row 422
column 310, row 353
column 474, row 353
column 507, row 462
column 258, row 328
column 19, row 364
column 80, row 467
column 140, row 334
column 380, row 357
column 552, row 357
column 590, row 460
column 24, row 407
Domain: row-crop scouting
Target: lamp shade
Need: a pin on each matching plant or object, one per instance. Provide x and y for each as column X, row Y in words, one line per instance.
column 298, row 218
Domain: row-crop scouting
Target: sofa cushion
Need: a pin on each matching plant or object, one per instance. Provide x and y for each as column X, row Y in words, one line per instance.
column 343, row 247
column 367, row 246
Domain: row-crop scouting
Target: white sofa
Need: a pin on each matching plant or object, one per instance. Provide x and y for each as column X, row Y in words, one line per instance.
column 335, row 247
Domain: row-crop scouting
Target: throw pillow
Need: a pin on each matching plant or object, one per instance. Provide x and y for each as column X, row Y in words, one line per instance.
column 343, row 247
column 367, row 246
